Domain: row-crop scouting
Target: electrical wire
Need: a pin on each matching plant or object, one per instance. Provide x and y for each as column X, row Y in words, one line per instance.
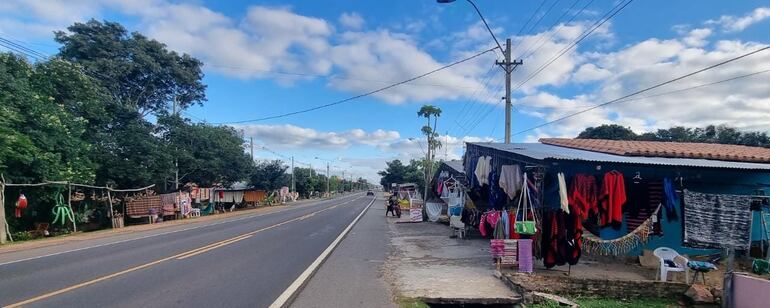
column 619, row 7
column 363, row 94
column 540, row 42
column 621, row 99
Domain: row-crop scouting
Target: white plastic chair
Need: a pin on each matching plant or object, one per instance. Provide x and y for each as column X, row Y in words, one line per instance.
column 665, row 253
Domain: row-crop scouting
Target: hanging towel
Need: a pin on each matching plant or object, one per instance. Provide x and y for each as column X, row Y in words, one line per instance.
column 525, row 256
column 716, row 221
column 564, row 200
column 434, row 210
column 482, row 170
column 510, row 180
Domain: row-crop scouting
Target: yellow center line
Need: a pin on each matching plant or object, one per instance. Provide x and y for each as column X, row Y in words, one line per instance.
column 180, row 256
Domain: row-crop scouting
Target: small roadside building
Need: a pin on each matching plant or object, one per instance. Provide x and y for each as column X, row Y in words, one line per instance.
column 703, row 196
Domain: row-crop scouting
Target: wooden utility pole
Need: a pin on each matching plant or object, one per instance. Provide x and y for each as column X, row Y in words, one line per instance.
column 4, row 227
column 508, row 66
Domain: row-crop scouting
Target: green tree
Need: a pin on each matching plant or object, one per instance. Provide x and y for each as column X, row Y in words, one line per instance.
column 608, row 131
column 205, row 154
column 39, row 138
column 398, row 173
column 269, row 175
column 139, row 73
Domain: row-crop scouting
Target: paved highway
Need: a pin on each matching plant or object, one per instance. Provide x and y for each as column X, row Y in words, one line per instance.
column 242, row 262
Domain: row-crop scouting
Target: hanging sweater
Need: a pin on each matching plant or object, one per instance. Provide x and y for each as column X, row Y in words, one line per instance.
column 612, row 198
column 582, row 195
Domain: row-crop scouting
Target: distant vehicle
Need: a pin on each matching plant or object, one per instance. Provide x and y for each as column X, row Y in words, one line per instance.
column 370, row 193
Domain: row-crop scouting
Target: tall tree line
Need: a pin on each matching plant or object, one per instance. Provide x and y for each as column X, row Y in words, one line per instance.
column 721, row 134
column 101, row 112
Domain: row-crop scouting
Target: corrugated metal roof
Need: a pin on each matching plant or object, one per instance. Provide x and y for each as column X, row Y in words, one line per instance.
column 541, row 151
column 457, row 165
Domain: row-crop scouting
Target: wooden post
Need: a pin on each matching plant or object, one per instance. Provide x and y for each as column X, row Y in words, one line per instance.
column 69, row 204
column 112, row 214
column 4, row 228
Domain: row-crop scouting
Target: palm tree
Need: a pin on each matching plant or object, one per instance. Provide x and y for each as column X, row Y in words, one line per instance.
column 428, row 111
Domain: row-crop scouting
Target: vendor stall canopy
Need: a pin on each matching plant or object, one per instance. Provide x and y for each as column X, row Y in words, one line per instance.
column 699, row 155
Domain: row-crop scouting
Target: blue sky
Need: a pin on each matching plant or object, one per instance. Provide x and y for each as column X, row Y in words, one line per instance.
column 270, row 57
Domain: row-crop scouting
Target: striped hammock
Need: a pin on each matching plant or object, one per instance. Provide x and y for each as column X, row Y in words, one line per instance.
column 622, row 245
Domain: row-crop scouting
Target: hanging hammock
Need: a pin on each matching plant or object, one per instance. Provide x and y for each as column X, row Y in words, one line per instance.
column 622, row 245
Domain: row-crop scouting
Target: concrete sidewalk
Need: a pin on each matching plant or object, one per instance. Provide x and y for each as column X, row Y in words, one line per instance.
column 352, row 276
column 427, row 264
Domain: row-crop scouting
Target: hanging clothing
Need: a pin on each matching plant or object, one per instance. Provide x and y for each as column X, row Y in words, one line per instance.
column 550, row 240
column 563, row 199
column 482, row 170
column 526, row 261
column 488, row 221
column 506, row 225
column 716, row 221
column 612, row 199
column 643, row 199
column 510, row 180
column 583, row 195
column 672, row 199
column 497, row 197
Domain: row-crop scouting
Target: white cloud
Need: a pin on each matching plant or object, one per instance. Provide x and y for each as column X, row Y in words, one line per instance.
column 352, row 21
column 697, row 37
column 287, row 136
column 731, row 23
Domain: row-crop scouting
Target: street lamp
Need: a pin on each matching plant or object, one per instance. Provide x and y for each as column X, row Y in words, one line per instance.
column 507, row 65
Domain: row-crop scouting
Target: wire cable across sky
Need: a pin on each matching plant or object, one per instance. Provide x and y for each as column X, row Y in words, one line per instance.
column 625, row 97
column 283, row 115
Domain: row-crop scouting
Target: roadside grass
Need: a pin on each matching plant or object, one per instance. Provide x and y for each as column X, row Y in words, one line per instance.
column 405, row 302
column 593, row 302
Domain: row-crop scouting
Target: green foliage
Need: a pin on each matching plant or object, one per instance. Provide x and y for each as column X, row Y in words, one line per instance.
column 269, row 175
column 721, row 134
column 138, row 73
column 397, row 172
column 592, row 302
column 608, row 131
column 206, row 154
column 39, row 138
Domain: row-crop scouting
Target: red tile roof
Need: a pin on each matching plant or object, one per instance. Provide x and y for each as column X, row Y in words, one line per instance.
column 723, row 152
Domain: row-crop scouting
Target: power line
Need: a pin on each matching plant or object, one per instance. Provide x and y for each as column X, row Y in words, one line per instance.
column 620, row 99
column 363, row 94
column 593, row 28
column 616, row 9
column 540, row 42
column 703, row 85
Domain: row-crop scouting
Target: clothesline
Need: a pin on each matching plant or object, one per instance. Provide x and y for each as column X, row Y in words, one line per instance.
column 75, row 184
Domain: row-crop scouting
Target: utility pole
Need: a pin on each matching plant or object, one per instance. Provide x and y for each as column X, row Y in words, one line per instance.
column 508, row 66
column 176, row 159
column 293, row 187
column 251, row 142
column 327, row 179
column 342, row 183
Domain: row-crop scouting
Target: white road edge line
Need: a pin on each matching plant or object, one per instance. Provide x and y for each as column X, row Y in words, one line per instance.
column 164, row 233
column 288, row 295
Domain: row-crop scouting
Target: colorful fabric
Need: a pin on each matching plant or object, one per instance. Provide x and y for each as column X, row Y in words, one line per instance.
column 254, row 195
column 142, row 206
column 612, row 198
column 701, row 266
column 672, row 199
column 526, row 261
column 716, row 221
column 583, row 195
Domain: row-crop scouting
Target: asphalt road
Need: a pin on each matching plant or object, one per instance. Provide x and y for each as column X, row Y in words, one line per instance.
column 244, row 262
